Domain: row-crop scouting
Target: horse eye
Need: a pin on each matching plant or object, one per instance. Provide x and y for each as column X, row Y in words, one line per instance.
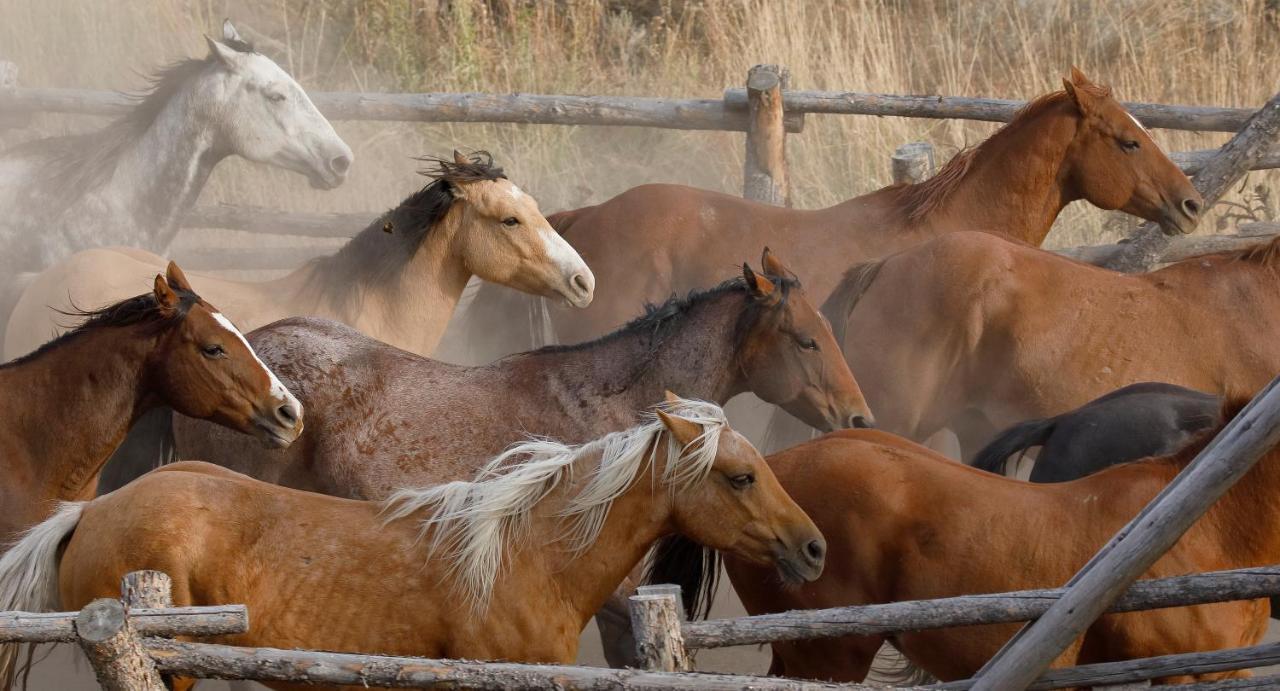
column 807, row 343
column 510, row 221
column 1129, row 145
column 213, row 350
column 276, row 96
column 742, row 481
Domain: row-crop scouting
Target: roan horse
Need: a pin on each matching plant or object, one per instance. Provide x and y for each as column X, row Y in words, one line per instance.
column 509, row 567
column 902, row 524
column 1000, row 332
column 64, row 408
column 130, row 183
column 397, row 281
column 655, row 240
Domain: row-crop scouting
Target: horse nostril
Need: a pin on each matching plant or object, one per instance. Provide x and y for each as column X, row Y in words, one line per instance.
column 286, row 414
column 340, row 164
column 580, row 282
column 1191, row 207
column 861, row 422
column 815, row 551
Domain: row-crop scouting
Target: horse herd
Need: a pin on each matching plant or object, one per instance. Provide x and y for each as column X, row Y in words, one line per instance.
column 489, row 511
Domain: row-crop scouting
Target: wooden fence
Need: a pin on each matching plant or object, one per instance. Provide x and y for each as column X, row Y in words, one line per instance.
column 765, row 110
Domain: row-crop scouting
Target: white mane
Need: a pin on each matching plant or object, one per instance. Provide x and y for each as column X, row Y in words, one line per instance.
column 473, row 522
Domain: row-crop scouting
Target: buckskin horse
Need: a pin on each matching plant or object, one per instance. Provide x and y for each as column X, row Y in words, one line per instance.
column 65, row 407
column 903, row 523
column 655, row 240
column 509, row 567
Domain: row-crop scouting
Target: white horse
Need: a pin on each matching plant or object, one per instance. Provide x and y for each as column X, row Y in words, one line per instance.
column 130, row 183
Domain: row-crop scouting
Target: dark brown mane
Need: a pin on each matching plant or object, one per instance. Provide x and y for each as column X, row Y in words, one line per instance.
column 141, row 309
column 923, row 198
column 378, row 255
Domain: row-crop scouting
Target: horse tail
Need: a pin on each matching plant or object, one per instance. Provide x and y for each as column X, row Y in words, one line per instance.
column 29, row 574
column 845, row 297
column 893, row 668
column 148, row 445
column 1015, row 440
column 696, row 569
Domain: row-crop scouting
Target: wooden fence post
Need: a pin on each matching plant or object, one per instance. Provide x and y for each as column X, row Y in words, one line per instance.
column 912, row 163
column 114, row 649
column 764, row 175
column 1253, row 432
column 146, row 590
column 1219, row 173
column 655, row 623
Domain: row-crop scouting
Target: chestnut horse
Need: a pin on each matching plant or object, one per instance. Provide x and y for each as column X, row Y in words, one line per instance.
column 655, row 240
column 903, row 523
column 509, row 567
column 65, row 407
column 397, row 281
column 999, row 332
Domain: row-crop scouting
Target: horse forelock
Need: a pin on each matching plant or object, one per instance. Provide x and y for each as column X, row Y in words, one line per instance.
column 471, row 524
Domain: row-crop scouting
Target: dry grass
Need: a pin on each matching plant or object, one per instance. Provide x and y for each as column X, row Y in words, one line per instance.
column 1174, row 51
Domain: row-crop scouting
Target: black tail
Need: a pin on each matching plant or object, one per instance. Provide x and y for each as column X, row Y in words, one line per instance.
column 1016, row 439
column 149, row 444
column 696, row 569
column 845, row 297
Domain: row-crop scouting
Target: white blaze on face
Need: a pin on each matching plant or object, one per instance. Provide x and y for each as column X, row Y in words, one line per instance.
column 1143, row 128
column 278, row 390
column 564, row 257
column 516, row 193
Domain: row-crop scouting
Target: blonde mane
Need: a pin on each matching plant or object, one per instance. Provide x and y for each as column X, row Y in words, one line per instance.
column 473, row 522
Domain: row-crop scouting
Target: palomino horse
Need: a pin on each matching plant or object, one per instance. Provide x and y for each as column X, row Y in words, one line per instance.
column 999, row 332
column 381, row 419
column 509, row 567
column 1137, row 421
column 64, row 408
column 658, row 239
column 903, row 523
column 130, row 183
column 397, row 281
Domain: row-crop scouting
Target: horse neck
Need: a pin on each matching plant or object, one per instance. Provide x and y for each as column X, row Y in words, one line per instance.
column 698, row 359
column 636, row 520
column 410, row 312
column 159, row 175
column 70, row 407
column 1015, row 184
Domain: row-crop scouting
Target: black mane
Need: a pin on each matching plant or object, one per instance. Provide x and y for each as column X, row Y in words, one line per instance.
column 141, row 309
column 378, row 255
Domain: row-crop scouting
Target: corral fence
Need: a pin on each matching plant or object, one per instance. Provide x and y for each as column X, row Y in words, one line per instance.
column 764, row 110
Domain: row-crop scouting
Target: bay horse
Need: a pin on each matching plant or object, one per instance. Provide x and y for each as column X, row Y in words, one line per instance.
column 1000, row 332
column 508, row 567
column 903, row 523
column 130, row 183
column 655, row 240
column 398, row 280
column 1130, row 423
column 65, row 407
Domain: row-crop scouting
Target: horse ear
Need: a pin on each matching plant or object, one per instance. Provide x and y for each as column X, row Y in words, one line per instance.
column 760, row 287
column 1079, row 90
column 165, row 297
column 670, row 397
column 459, row 158
column 223, row 53
column 773, row 266
column 1078, row 78
column 177, row 279
column 684, row 431
column 229, row 32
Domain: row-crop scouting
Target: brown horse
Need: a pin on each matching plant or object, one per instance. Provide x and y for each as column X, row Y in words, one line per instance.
column 999, row 332
column 509, row 567
column 654, row 240
column 65, row 407
column 398, row 281
column 380, row 419
column 904, row 523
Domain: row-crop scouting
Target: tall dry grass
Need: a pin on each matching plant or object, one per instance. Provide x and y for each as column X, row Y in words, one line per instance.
column 1174, row 51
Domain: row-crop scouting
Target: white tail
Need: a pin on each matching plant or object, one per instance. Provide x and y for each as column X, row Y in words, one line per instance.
column 29, row 574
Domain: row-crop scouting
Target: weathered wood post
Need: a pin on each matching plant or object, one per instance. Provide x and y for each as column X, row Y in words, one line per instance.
column 655, row 623
column 1236, row 158
column 912, row 163
column 1253, row 432
column 114, row 650
column 764, row 175
column 146, row 590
